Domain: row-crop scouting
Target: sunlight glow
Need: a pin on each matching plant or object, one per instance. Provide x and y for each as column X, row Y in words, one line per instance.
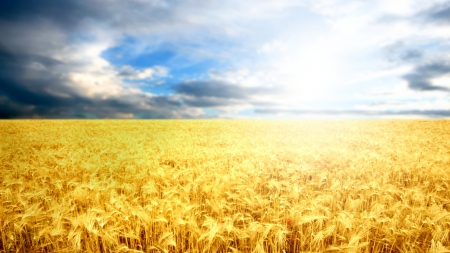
column 310, row 73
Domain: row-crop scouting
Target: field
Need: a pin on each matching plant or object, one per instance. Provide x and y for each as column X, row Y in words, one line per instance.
column 224, row 186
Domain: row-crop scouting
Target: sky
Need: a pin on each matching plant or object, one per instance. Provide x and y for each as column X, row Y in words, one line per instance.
column 176, row 59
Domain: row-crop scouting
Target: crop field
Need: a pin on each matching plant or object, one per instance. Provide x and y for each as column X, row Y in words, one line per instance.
column 224, row 186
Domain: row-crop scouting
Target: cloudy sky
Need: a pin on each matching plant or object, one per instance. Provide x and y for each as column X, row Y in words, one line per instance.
column 224, row 59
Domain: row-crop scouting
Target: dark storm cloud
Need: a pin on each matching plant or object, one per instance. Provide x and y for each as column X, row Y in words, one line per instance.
column 40, row 105
column 42, row 91
column 27, row 79
column 29, row 76
column 421, row 78
column 9, row 109
column 210, row 101
column 160, row 107
column 23, row 95
column 439, row 14
column 69, row 14
column 64, row 13
column 220, row 94
column 425, row 113
column 19, row 60
column 218, row 89
column 25, row 104
column 211, row 89
column 34, row 82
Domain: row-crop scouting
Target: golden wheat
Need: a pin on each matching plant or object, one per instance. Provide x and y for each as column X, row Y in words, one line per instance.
column 224, row 186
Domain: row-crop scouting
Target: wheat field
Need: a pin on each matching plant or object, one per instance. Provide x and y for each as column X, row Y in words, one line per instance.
column 224, row 186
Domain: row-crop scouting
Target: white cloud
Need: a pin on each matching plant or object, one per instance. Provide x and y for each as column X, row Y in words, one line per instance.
column 276, row 46
column 443, row 81
column 367, row 76
column 129, row 72
column 243, row 77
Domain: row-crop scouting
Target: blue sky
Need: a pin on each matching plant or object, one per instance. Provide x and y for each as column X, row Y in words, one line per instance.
column 225, row 59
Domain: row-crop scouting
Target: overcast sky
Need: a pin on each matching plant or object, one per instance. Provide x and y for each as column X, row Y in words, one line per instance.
column 224, row 59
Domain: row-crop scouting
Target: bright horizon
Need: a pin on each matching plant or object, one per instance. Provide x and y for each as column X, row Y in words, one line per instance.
column 286, row 59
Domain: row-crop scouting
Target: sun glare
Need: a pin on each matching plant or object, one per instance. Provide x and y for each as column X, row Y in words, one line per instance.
column 309, row 75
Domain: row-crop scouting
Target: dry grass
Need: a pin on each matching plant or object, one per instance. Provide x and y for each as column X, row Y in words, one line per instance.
column 225, row 186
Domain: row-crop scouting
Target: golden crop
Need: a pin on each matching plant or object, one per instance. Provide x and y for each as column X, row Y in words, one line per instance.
column 224, row 186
